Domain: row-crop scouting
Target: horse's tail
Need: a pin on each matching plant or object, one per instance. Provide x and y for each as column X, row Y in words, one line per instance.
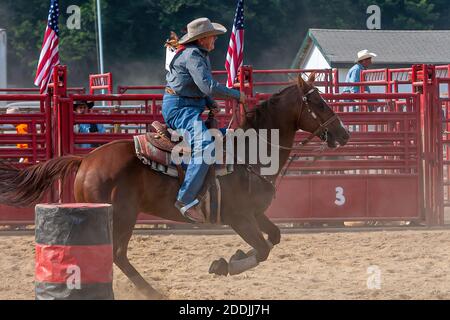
column 23, row 187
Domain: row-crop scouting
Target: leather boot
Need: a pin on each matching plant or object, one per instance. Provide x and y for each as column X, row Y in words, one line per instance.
column 193, row 213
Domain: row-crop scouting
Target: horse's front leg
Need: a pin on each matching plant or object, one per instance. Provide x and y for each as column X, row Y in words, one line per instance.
column 247, row 228
column 268, row 227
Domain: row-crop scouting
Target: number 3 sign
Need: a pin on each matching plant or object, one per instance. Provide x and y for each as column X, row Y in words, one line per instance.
column 340, row 198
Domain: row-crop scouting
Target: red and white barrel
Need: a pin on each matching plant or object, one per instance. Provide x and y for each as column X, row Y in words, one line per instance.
column 74, row 252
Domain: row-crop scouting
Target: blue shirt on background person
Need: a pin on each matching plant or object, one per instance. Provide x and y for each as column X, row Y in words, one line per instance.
column 83, row 107
column 90, row 128
column 354, row 75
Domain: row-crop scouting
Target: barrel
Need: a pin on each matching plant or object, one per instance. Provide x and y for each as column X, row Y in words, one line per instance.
column 74, row 252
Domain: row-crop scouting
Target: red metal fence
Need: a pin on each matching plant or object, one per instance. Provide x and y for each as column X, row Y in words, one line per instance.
column 390, row 170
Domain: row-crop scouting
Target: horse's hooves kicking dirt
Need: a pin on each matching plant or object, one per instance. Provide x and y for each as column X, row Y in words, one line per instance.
column 219, row 267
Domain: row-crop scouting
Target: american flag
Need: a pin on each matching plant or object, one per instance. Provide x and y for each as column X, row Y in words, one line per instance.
column 235, row 54
column 49, row 53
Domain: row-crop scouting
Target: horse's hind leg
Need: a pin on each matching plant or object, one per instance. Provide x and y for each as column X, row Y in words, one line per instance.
column 124, row 221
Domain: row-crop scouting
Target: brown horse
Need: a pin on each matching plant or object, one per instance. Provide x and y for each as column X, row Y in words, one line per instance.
column 113, row 174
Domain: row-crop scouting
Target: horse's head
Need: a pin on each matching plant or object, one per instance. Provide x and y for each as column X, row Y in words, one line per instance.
column 316, row 116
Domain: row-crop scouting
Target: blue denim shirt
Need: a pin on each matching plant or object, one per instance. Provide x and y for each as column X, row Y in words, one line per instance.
column 354, row 75
column 190, row 76
column 90, row 128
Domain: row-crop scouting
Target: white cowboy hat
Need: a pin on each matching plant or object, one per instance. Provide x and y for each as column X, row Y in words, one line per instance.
column 200, row 28
column 12, row 110
column 364, row 54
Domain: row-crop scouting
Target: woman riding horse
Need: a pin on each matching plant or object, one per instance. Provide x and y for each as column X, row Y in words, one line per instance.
column 190, row 88
column 114, row 174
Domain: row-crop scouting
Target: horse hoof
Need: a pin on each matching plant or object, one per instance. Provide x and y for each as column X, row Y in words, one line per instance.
column 219, row 267
column 239, row 255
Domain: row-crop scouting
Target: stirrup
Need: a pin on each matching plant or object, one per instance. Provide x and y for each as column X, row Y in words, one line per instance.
column 183, row 208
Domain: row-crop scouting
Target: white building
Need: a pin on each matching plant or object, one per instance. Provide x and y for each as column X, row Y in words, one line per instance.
column 329, row 48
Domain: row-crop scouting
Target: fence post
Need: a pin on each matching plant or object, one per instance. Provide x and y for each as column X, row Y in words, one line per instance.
column 424, row 81
column 62, row 127
column 246, row 86
column 60, row 109
column 336, row 80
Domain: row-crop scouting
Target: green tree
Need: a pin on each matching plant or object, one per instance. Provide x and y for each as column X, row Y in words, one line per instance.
column 134, row 31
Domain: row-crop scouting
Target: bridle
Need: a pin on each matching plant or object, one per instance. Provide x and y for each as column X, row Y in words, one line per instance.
column 322, row 129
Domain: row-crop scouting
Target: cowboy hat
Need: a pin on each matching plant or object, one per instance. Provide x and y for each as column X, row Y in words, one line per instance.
column 12, row 110
column 89, row 104
column 364, row 54
column 201, row 28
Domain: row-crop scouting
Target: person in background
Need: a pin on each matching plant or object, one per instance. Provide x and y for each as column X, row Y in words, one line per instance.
column 21, row 128
column 83, row 107
column 363, row 61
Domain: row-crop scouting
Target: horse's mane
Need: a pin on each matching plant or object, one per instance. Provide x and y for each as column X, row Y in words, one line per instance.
column 262, row 113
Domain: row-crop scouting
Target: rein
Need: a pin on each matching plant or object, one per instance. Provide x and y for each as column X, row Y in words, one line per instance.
column 322, row 127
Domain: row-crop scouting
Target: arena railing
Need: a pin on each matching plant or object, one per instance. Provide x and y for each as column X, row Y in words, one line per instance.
column 384, row 141
column 79, row 90
column 444, row 81
column 36, row 143
column 392, row 78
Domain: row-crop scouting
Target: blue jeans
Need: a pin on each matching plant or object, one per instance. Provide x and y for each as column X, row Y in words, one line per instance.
column 184, row 113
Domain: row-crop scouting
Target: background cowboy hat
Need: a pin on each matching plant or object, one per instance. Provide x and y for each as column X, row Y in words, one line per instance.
column 364, row 54
column 89, row 104
column 12, row 110
column 200, row 28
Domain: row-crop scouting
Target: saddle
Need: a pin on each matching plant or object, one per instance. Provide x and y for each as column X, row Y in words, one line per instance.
column 163, row 139
column 155, row 148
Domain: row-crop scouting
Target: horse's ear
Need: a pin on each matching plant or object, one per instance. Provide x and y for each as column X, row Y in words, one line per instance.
column 312, row 78
column 300, row 81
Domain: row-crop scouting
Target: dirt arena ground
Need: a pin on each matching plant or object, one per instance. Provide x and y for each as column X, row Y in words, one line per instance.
column 413, row 265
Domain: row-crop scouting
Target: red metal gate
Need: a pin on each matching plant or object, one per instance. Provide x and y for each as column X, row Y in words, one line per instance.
column 375, row 177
